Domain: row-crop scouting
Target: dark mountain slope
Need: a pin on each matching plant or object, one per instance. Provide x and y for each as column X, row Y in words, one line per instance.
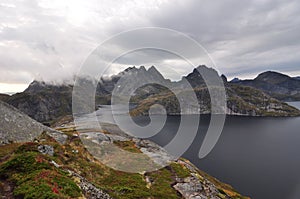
column 277, row 85
column 43, row 102
column 4, row 97
column 47, row 102
column 241, row 100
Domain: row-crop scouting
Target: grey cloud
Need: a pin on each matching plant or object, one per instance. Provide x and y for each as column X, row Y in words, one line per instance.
column 233, row 30
column 51, row 39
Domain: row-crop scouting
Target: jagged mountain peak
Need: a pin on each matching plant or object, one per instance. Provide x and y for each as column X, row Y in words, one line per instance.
column 35, row 86
column 196, row 77
column 130, row 69
column 202, row 69
column 224, row 78
column 39, row 86
column 235, row 80
column 142, row 71
column 153, row 71
column 134, row 68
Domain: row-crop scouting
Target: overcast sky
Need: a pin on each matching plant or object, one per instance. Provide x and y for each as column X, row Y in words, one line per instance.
column 50, row 39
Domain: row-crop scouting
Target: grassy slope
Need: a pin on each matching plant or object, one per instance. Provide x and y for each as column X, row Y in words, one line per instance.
column 26, row 173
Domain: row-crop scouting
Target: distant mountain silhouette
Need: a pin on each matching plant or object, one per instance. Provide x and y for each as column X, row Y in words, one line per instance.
column 277, row 85
column 298, row 78
column 235, row 80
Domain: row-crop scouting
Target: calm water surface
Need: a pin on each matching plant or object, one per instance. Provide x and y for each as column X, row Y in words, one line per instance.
column 260, row 157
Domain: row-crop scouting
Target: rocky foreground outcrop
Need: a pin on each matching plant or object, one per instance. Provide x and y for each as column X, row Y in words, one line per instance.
column 183, row 179
column 38, row 165
column 16, row 126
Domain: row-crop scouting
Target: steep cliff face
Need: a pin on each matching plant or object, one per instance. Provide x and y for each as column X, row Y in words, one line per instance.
column 46, row 102
column 241, row 100
column 277, row 85
column 43, row 102
column 244, row 100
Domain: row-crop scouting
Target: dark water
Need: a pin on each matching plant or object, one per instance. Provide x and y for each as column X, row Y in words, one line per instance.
column 259, row 157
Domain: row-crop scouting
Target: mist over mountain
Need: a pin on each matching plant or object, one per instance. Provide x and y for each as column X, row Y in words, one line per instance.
column 46, row 102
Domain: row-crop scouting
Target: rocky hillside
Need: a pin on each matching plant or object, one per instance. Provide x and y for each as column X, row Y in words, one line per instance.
column 43, row 102
column 46, row 102
column 40, row 167
column 244, row 100
column 3, row 97
column 277, row 85
column 16, row 126
column 241, row 100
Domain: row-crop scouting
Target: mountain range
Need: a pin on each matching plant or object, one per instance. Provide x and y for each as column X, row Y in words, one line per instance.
column 241, row 99
column 275, row 84
column 262, row 96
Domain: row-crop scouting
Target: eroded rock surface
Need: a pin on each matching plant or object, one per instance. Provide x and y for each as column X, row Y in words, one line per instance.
column 16, row 126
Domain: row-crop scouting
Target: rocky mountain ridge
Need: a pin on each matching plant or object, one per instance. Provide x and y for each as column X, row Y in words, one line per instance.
column 241, row 100
column 47, row 102
column 43, row 102
column 275, row 84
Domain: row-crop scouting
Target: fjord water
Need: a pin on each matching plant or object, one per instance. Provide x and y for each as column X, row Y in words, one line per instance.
column 258, row 156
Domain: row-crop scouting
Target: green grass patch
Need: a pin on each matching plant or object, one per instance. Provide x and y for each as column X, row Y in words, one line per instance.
column 127, row 146
column 33, row 177
column 180, row 170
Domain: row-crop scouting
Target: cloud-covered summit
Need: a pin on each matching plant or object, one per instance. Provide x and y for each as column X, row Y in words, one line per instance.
column 51, row 39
